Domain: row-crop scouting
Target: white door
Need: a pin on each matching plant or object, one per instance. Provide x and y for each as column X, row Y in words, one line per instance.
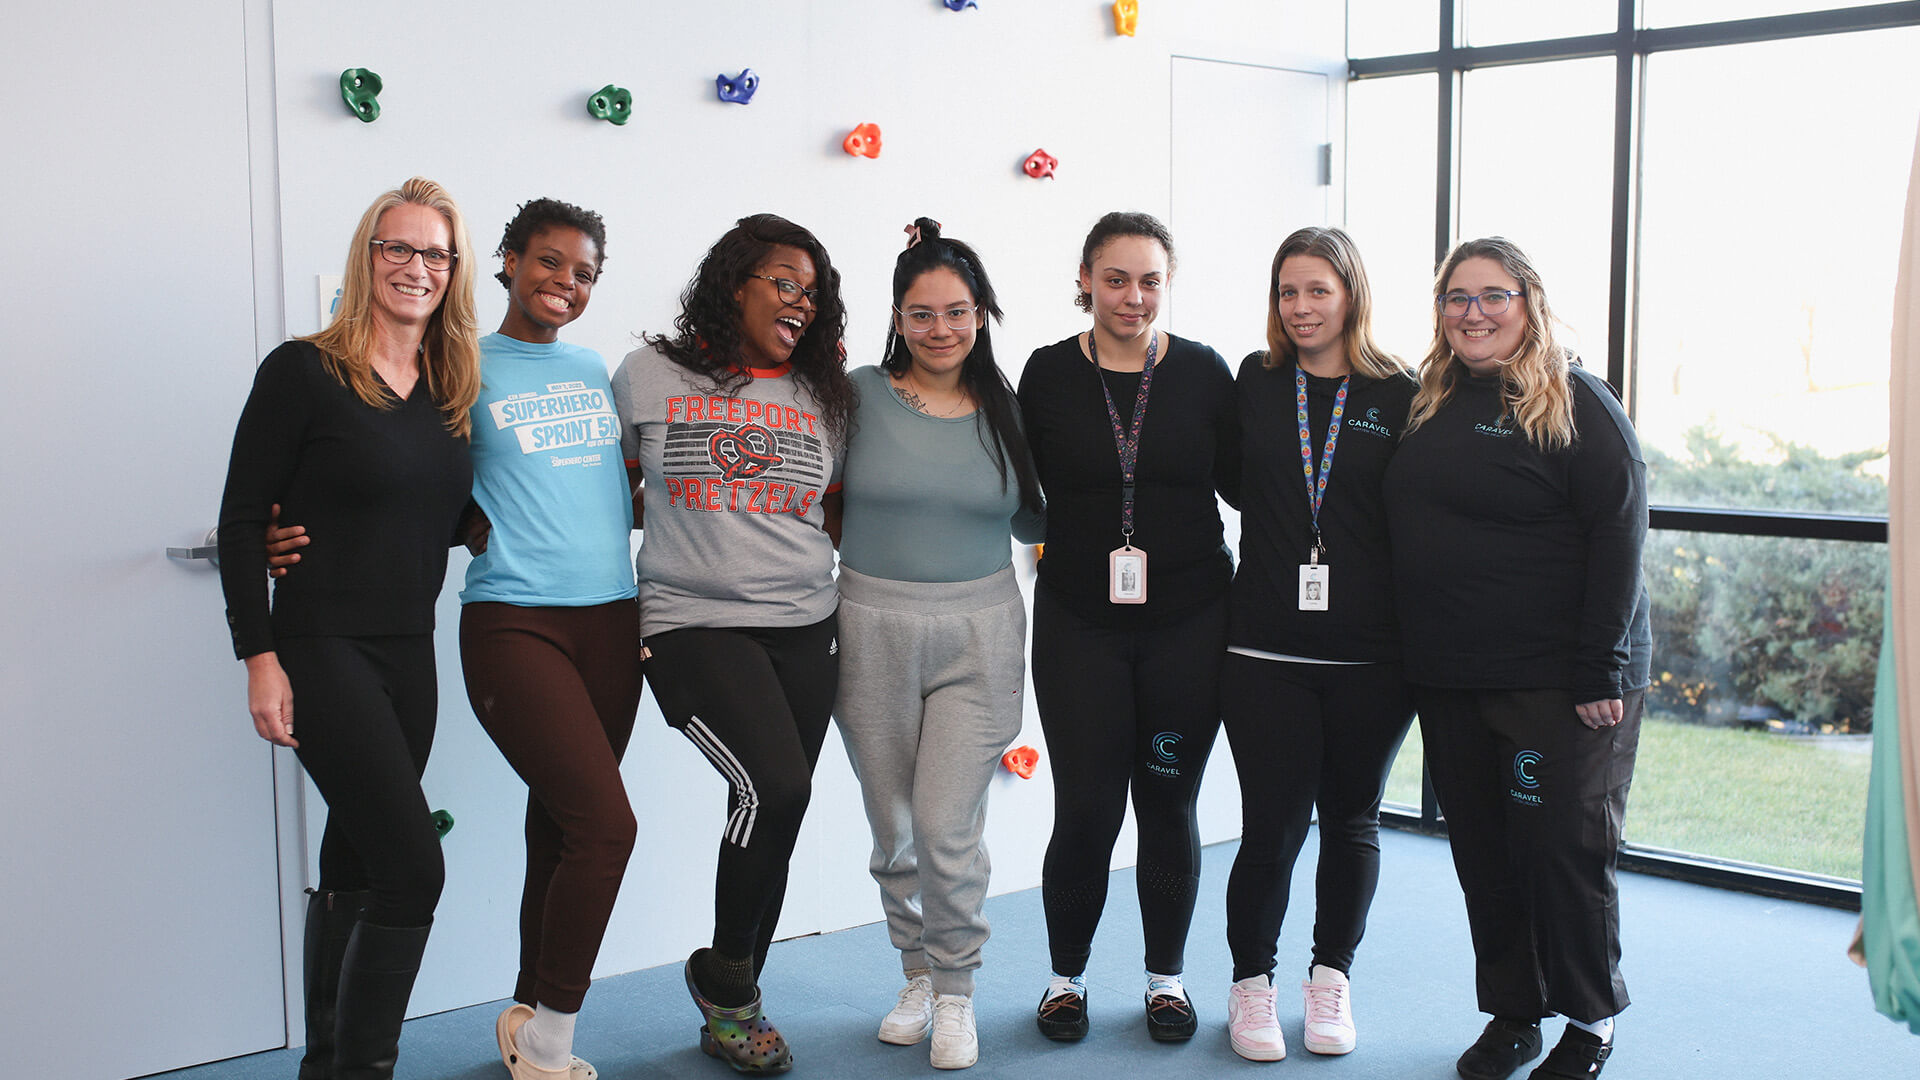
column 1247, row 164
column 138, row 876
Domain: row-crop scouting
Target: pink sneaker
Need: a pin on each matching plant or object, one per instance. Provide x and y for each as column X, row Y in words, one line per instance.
column 1252, row 1026
column 1329, row 1011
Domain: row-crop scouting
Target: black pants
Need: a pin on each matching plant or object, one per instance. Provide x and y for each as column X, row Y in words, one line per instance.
column 756, row 701
column 1306, row 735
column 363, row 711
column 1125, row 709
column 556, row 689
column 1534, row 801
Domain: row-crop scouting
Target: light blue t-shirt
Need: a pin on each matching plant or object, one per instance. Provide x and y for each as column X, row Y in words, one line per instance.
column 547, row 471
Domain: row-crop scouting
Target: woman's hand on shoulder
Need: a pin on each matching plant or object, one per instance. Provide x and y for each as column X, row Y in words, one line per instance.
column 1601, row 714
column 270, row 699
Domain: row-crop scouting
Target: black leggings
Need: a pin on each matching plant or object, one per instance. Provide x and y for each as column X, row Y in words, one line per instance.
column 363, row 709
column 756, row 701
column 1304, row 734
column 1125, row 709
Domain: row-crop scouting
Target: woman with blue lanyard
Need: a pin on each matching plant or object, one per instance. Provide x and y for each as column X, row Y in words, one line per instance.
column 1311, row 694
column 932, row 625
column 1130, row 608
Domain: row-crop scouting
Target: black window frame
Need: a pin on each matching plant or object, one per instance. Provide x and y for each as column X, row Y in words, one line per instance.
column 1629, row 44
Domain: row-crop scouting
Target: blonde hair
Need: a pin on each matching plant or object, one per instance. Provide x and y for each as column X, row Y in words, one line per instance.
column 1335, row 246
column 450, row 349
column 1534, row 383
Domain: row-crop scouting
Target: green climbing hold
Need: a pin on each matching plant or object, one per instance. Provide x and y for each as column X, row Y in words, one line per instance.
column 611, row 103
column 442, row 823
column 360, row 89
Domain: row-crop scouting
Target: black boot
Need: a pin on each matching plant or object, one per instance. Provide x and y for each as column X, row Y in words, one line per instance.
column 376, row 979
column 330, row 919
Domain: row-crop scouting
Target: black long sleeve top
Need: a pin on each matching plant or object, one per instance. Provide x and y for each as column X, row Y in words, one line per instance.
column 1519, row 569
column 1189, row 449
column 1276, row 519
column 381, row 489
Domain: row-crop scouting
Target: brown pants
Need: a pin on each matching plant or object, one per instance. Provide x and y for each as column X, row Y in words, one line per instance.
column 556, row 689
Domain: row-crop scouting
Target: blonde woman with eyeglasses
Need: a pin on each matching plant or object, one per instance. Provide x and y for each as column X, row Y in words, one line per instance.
column 1517, row 508
column 360, row 432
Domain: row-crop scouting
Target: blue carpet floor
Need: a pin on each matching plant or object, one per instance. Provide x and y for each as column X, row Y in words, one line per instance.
column 1725, row 985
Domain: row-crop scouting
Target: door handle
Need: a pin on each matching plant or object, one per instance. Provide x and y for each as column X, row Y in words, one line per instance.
column 208, row 550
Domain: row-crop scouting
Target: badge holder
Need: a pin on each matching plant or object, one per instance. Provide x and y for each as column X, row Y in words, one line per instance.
column 1127, row 574
column 1314, row 583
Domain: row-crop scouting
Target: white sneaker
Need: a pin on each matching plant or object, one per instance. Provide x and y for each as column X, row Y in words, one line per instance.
column 1252, row 1026
column 1329, row 1011
column 955, row 1046
column 912, row 1015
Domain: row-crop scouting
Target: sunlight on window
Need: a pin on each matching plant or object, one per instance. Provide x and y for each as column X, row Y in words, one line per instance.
column 1390, row 166
column 1498, row 22
column 1687, row 12
column 1536, row 166
column 1392, row 27
column 1769, row 238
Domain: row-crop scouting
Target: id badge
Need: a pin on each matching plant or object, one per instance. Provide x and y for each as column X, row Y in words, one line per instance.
column 1127, row 575
column 1313, row 586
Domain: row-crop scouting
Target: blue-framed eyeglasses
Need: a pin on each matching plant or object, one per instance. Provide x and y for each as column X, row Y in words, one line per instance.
column 1454, row 305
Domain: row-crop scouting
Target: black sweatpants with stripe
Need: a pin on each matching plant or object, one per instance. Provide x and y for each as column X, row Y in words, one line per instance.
column 756, row 701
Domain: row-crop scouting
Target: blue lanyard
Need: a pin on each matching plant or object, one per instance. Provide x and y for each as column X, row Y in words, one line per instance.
column 1316, row 490
column 1127, row 443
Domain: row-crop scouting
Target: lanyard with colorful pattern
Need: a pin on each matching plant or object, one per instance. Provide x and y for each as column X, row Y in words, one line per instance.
column 1317, row 490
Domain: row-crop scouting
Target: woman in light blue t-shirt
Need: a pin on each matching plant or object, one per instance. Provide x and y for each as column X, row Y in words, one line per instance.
column 938, row 481
column 549, row 627
column 549, row 624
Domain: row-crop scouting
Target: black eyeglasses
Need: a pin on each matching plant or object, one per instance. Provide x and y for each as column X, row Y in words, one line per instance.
column 399, row 252
column 1455, row 305
column 789, row 290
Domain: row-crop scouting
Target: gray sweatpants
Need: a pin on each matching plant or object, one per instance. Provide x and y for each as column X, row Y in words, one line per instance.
column 931, row 692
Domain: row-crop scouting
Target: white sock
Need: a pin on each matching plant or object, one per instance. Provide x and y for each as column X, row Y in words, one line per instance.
column 1067, row 984
column 1168, row 985
column 547, row 1039
column 1599, row 1029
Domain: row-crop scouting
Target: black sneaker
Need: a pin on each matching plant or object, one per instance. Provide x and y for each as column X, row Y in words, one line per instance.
column 1577, row 1056
column 1063, row 1015
column 1504, row 1046
column 1170, row 1015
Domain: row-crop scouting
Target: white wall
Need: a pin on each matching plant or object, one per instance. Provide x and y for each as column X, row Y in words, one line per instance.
column 961, row 100
column 489, row 98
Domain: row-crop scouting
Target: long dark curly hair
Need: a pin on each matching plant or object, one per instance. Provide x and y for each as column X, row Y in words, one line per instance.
column 998, row 416
column 706, row 337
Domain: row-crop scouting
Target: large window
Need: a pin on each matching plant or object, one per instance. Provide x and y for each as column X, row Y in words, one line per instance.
column 1713, row 190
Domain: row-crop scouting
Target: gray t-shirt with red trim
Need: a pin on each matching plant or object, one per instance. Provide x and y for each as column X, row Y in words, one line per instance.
column 735, row 534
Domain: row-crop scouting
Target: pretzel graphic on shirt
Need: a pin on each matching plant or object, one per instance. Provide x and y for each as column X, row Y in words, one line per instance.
column 745, row 452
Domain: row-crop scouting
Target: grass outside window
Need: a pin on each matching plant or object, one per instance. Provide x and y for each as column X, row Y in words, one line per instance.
column 1792, row 802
